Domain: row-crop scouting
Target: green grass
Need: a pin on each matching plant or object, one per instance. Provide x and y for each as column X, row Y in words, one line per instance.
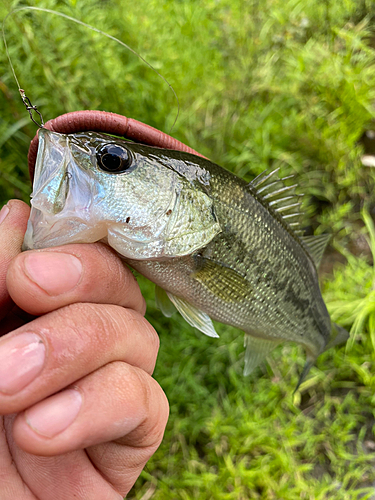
column 231, row 437
column 260, row 83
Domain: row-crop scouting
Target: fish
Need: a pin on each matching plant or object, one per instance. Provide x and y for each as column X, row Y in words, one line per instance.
column 216, row 247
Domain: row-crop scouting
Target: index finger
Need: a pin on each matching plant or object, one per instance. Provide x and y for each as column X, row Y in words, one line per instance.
column 13, row 221
column 41, row 281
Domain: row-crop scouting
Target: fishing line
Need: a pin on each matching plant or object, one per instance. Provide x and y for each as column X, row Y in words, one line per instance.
column 30, row 108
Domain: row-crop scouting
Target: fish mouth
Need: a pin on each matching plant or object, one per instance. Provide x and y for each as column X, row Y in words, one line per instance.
column 61, row 204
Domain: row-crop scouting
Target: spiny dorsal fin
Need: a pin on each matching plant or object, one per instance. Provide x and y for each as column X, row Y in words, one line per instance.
column 194, row 316
column 316, row 246
column 282, row 198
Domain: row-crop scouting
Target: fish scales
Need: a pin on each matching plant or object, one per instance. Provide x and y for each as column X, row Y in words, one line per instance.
column 279, row 277
column 212, row 243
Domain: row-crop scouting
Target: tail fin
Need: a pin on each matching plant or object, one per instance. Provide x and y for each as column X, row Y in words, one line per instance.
column 338, row 336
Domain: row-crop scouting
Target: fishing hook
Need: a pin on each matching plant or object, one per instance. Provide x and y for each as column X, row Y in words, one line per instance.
column 30, row 108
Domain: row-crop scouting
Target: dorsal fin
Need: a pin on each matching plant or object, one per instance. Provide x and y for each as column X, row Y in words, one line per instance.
column 282, row 198
column 316, row 246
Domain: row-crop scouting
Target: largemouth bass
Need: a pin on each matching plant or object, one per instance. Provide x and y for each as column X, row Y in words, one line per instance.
column 215, row 246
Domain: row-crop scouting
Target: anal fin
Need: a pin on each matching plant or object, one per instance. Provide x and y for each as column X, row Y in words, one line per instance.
column 256, row 350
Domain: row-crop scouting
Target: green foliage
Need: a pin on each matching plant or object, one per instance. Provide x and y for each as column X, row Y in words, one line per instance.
column 351, row 296
column 260, row 83
column 231, row 437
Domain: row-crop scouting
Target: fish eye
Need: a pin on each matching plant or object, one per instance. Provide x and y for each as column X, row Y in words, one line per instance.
column 113, row 158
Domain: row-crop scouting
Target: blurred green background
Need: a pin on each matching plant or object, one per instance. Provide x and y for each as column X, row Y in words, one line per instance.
column 261, row 83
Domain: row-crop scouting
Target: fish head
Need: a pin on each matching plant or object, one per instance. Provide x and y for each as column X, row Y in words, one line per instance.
column 92, row 187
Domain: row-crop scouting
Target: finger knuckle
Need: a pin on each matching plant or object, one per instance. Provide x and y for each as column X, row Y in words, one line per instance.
column 103, row 332
column 157, row 410
column 153, row 340
column 152, row 404
column 134, row 325
column 86, row 319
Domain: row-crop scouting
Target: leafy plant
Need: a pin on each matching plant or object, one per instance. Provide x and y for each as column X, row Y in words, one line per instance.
column 260, row 83
column 351, row 295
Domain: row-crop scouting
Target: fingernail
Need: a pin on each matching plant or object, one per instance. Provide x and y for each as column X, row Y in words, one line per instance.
column 55, row 414
column 55, row 273
column 3, row 213
column 21, row 360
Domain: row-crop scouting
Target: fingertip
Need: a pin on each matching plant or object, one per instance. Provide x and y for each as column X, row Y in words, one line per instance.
column 13, row 220
column 28, row 440
column 19, row 206
column 17, row 216
column 41, row 270
column 134, row 413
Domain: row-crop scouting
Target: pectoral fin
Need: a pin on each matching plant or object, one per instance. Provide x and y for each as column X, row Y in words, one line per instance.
column 196, row 318
column 256, row 350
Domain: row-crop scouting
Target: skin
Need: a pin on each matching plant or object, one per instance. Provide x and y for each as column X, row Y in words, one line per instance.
column 94, row 385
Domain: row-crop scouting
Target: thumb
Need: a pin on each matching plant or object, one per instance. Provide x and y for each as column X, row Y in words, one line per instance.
column 13, row 222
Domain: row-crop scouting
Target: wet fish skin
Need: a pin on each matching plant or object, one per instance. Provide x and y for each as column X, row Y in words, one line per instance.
column 211, row 241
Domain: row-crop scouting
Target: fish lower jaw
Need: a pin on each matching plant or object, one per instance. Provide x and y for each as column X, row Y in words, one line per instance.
column 43, row 233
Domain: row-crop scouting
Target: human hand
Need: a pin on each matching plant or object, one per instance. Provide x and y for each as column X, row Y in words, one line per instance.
column 81, row 412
